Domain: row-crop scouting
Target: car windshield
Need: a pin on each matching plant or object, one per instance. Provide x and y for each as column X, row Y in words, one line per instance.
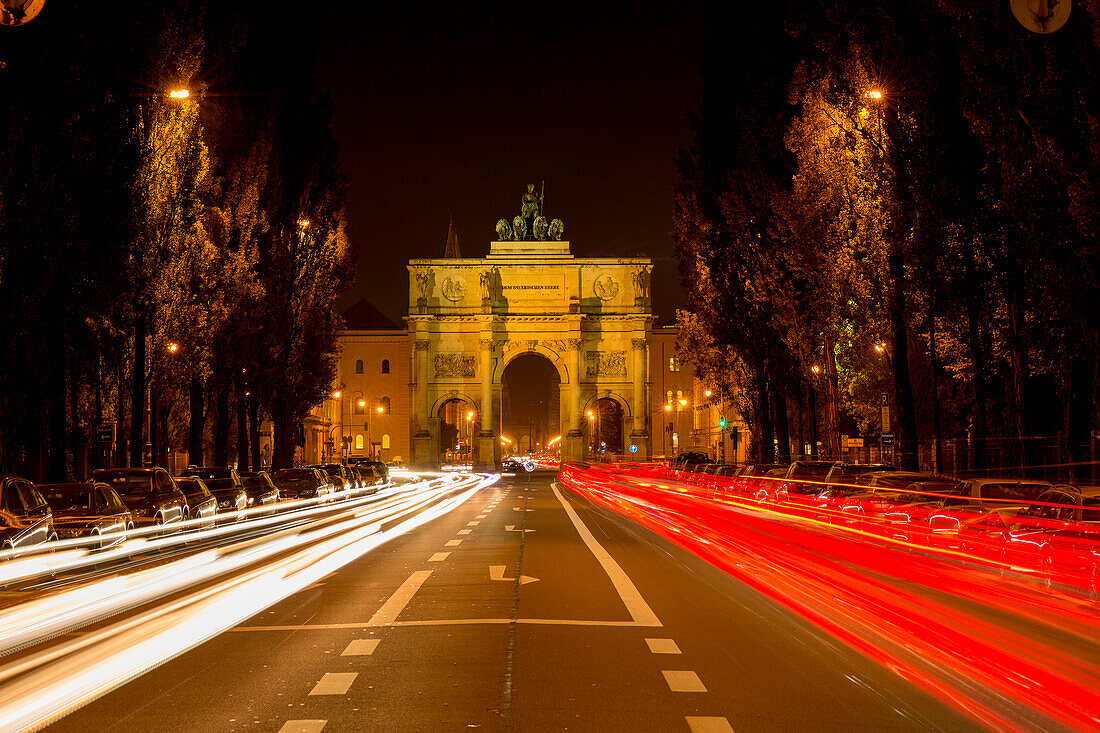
column 61, row 499
column 256, row 482
column 293, row 474
column 1013, row 490
column 129, row 484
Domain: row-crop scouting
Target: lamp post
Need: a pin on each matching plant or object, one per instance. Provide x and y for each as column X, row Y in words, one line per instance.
column 813, row 411
column 469, row 431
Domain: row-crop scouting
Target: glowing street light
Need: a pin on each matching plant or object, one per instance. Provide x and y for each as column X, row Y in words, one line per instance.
column 880, row 348
column 362, row 403
column 873, row 94
column 303, row 223
column 173, row 347
column 707, row 393
column 380, row 409
column 336, row 395
column 815, row 369
column 179, row 94
column 668, row 408
column 683, row 402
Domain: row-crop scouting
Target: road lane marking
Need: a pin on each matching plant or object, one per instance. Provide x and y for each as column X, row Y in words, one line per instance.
column 683, row 680
column 473, row 523
column 521, row 509
column 663, row 646
column 401, row 597
column 303, row 726
column 637, row 607
column 465, row 531
column 708, row 724
column 448, row 622
column 512, row 528
column 453, row 543
column 334, row 683
column 496, row 572
column 438, row 557
column 360, row 648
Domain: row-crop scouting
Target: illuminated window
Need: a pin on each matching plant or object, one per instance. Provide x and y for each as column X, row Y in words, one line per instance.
column 668, row 396
column 385, row 366
column 673, row 364
column 358, row 366
column 359, row 442
column 386, row 441
column 385, row 403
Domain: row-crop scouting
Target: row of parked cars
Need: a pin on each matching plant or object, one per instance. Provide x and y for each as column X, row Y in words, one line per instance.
column 117, row 500
column 1019, row 525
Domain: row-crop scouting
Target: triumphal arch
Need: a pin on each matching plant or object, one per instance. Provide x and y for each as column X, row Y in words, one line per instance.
column 470, row 318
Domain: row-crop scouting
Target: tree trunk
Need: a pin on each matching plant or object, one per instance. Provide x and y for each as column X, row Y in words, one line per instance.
column 937, row 437
column 122, row 457
column 903, row 386
column 1065, row 449
column 154, row 424
column 832, row 402
column 977, row 361
column 813, row 420
column 137, row 394
column 196, row 422
column 765, row 449
column 1017, row 353
column 254, row 431
column 162, row 435
column 242, row 428
column 221, row 426
column 286, row 437
column 55, row 397
column 779, row 413
column 801, row 423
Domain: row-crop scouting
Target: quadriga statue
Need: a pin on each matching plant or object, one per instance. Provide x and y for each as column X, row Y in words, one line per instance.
column 504, row 231
column 556, row 230
column 539, row 228
column 519, row 228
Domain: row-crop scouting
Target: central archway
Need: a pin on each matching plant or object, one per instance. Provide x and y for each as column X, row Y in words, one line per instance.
column 530, row 412
column 458, row 425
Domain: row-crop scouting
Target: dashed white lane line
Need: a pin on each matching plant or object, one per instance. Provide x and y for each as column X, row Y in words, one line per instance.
column 708, row 724
column 521, row 509
column 303, row 726
column 465, row 531
column 401, row 597
column 360, row 648
column 683, row 680
column 438, row 557
column 334, row 683
column 453, row 543
column 663, row 646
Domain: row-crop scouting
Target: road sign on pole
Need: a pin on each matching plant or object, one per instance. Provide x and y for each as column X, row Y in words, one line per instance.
column 887, row 438
column 633, row 448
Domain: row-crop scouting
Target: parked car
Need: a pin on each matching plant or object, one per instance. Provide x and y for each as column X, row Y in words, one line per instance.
column 999, row 492
column 688, row 458
column 372, row 480
column 203, row 504
column 339, row 474
column 92, row 509
column 381, row 469
column 302, row 483
column 225, row 484
column 259, row 488
column 150, row 494
column 1058, row 538
column 25, row 517
column 511, row 465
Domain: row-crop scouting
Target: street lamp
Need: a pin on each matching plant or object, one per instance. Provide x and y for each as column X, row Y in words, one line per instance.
column 173, row 347
column 179, row 93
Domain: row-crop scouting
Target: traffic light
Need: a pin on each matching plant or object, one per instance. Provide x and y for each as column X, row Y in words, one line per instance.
column 722, row 423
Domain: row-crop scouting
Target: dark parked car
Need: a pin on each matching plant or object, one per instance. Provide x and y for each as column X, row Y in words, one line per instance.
column 690, row 458
column 225, row 484
column 88, row 510
column 204, row 505
column 150, row 494
column 339, row 474
column 259, row 487
column 302, row 483
column 380, row 468
column 25, row 517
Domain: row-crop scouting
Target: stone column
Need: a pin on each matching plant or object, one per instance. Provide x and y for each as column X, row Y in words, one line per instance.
column 573, row 442
column 422, row 440
column 487, row 447
column 639, row 436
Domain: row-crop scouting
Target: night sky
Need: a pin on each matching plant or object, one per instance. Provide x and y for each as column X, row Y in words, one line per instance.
column 453, row 110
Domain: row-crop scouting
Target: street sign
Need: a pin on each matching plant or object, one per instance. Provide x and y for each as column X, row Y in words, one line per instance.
column 633, row 448
column 885, row 418
column 105, row 433
column 887, row 438
column 528, row 466
column 855, row 442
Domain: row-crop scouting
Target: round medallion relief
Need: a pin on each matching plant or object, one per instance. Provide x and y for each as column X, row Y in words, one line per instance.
column 605, row 287
column 453, row 289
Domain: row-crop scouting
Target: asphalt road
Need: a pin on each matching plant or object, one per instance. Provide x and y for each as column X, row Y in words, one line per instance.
column 525, row 609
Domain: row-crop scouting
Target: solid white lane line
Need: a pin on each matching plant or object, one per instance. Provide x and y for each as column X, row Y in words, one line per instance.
column 473, row 523
column 639, row 610
column 303, row 726
column 438, row 557
column 683, row 680
column 663, row 646
column 401, row 597
column 465, row 531
column 708, row 724
column 453, row 543
column 334, row 683
column 360, row 647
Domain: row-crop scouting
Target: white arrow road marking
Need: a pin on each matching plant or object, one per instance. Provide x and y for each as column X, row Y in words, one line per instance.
column 496, row 572
column 512, row 528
